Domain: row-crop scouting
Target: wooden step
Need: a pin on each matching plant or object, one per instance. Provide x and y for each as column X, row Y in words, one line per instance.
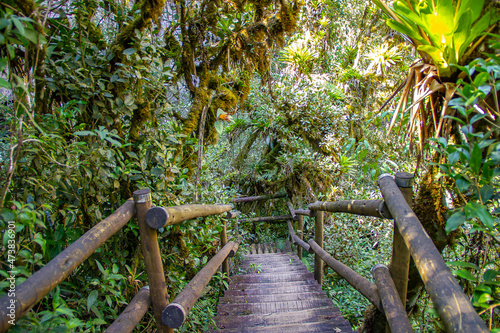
column 276, row 294
column 321, row 327
column 272, row 298
column 272, row 278
column 272, row 269
column 273, row 291
column 276, row 285
column 287, row 318
column 272, row 307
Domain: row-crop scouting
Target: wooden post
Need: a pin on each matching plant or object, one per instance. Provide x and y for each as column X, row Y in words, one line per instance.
column 223, row 242
column 318, row 238
column 152, row 258
column 400, row 263
column 394, row 310
column 300, row 233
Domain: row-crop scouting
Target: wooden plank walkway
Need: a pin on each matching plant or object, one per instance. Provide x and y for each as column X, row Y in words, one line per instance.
column 276, row 294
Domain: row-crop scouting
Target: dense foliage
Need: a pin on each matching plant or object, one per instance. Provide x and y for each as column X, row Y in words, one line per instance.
column 100, row 98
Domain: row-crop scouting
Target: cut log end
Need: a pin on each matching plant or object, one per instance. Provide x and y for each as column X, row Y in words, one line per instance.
column 156, row 217
column 174, row 315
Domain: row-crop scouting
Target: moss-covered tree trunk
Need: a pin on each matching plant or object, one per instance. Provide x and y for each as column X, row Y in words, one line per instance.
column 238, row 161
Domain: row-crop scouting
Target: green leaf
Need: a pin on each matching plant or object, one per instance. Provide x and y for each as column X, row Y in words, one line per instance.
column 474, row 209
column 8, row 215
column 92, row 299
column 65, row 311
column 486, row 192
column 463, row 264
column 404, row 29
column 219, row 127
column 100, row 267
column 455, row 221
column 19, row 25
column 437, row 57
column 462, row 184
column 35, row 37
column 129, row 51
column 40, row 241
column 84, row 133
column 461, row 33
column 114, row 142
column 476, row 118
column 466, row 275
column 5, row 84
column 474, row 6
column 490, row 275
column 475, row 159
column 454, row 157
column 484, row 300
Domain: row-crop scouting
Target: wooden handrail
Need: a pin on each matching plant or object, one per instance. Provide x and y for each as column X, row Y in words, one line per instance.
column 159, row 217
column 176, row 312
column 281, row 218
column 452, row 304
column 393, row 307
column 360, row 283
column 305, row 212
column 260, row 197
column 133, row 313
column 296, row 239
column 58, row 269
column 376, row 208
column 292, row 210
column 233, row 214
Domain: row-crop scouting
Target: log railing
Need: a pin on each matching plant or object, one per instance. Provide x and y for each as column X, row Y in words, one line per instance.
column 176, row 312
column 37, row 286
column 388, row 293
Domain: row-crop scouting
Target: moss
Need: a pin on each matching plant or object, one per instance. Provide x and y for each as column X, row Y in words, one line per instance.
column 141, row 115
column 225, row 100
column 172, row 46
column 199, row 101
column 374, row 321
column 150, row 11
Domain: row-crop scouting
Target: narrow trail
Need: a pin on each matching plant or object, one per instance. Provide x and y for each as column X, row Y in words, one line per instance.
column 276, row 293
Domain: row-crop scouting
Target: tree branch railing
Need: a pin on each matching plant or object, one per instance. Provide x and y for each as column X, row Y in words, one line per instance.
column 38, row 285
column 388, row 293
column 176, row 312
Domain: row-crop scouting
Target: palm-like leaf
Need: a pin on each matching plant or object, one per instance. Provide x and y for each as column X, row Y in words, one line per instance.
column 443, row 32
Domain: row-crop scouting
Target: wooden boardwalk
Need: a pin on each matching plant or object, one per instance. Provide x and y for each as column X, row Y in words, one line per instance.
column 276, row 294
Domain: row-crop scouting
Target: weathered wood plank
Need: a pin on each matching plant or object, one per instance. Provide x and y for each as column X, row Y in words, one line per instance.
column 272, row 278
column 271, row 291
column 298, row 328
column 274, row 319
column 278, row 294
column 273, row 298
column 244, row 286
column 272, row 307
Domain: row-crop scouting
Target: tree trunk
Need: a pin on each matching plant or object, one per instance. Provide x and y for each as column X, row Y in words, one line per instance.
column 246, row 148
